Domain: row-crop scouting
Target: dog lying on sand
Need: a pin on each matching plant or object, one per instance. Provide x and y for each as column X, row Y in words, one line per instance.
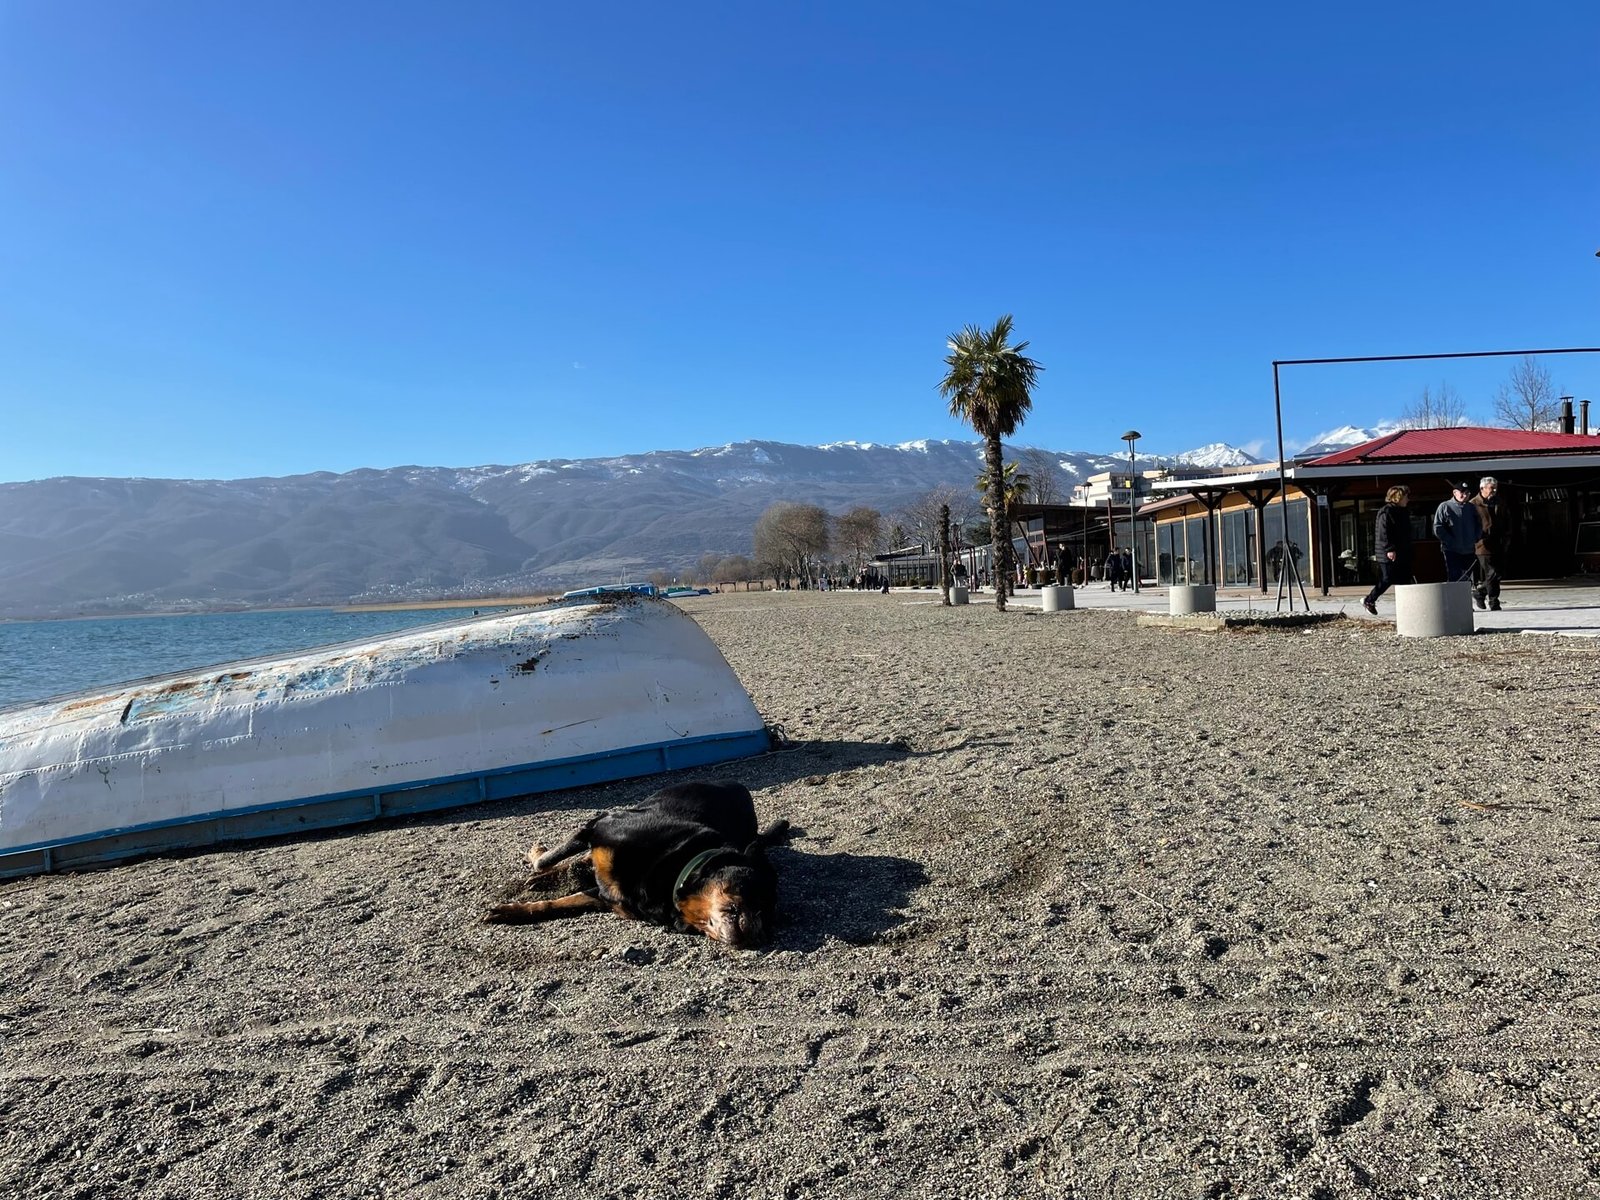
column 689, row 858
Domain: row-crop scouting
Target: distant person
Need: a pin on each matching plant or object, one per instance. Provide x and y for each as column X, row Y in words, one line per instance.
column 1278, row 561
column 1392, row 535
column 1127, row 569
column 1459, row 529
column 1114, row 568
column 1491, row 546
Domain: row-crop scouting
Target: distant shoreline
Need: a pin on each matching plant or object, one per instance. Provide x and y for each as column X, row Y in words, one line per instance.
column 385, row 606
column 403, row 606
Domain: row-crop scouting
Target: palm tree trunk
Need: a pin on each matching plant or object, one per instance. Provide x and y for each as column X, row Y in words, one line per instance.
column 1000, row 542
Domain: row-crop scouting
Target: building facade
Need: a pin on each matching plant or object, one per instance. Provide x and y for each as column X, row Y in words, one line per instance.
column 1251, row 528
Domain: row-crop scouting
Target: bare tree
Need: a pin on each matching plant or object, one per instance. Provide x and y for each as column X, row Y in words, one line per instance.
column 1043, row 474
column 964, row 509
column 736, row 568
column 860, row 532
column 944, row 552
column 1528, row 399
column 1442, row 409
column 789, row 538
column 920, row 518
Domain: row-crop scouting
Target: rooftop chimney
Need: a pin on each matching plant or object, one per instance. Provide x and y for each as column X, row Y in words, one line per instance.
column 1583, row 407
column 1566, row 414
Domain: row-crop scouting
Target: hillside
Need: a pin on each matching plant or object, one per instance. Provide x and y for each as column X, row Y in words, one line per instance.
column 74, row 545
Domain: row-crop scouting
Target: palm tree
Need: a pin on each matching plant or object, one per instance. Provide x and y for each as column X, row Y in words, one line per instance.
column 1018, row 486
column 990, row 387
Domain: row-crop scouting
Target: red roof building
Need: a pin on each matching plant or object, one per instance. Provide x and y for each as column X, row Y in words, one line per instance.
column 1436, row 447
column 1236, row 528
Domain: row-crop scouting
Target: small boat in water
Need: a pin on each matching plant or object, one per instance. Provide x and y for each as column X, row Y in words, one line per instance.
column 428, row 718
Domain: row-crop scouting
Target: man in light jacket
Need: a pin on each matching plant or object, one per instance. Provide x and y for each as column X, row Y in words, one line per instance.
column 1491, row 546
column 1459, row 529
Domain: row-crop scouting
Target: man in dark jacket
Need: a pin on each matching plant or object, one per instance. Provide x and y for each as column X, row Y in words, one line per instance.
column 1456, row 525
column 1492, row 545
column 1114, row 569
column 1393, row 539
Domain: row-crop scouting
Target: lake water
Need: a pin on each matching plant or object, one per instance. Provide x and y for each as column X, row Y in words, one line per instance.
column 39, row 659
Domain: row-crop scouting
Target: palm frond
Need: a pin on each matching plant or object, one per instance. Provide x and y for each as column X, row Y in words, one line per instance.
column 989, row 382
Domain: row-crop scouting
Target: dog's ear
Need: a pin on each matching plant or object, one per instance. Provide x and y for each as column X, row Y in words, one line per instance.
column 756, row 850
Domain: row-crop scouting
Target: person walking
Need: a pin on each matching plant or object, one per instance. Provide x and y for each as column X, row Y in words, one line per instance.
column 1392, row 536
column 1492, row 545
column 1457, row 526
column 1114, row 568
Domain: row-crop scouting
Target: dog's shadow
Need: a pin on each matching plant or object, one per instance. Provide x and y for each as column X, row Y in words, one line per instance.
column 861, row 899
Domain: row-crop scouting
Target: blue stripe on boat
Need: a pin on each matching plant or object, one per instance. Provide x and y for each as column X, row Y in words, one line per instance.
column 348, row 808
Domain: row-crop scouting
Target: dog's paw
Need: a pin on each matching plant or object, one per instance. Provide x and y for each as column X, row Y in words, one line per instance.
column 501, row 914
column 534, row 853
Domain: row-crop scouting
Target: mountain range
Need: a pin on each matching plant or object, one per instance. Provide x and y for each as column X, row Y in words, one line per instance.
column 71, row 546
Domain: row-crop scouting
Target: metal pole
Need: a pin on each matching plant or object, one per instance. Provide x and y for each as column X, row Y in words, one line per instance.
column 1131, row 437
column 1111, row 530
column 1283, row 492
column 1286, row 580
column 1133, row 517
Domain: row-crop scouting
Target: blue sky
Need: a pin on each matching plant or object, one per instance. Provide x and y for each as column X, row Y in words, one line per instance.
column 266, row 239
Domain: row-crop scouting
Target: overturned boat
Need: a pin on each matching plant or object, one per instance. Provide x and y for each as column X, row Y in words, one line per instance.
column 428, row 718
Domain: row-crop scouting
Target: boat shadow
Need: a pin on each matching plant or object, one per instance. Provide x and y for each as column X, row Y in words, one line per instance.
column 809, row 761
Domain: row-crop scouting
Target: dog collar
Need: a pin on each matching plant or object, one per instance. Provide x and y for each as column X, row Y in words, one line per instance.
column 696, row 863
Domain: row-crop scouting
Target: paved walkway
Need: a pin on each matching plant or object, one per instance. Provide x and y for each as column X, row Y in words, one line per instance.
column 1543, row 606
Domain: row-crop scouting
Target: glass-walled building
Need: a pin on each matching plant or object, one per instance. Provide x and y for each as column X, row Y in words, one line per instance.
column 1239, row 530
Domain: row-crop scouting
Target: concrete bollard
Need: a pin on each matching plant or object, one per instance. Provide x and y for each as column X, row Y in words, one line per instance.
column 1057, row 597
column 1186, row 599
column 1433, row 609
column 958, row 594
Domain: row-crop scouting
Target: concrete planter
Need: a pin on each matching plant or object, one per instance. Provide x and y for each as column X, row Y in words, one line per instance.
column 958, row 594
column 1056, row 597
column 1184, row 600
column 1433, row 609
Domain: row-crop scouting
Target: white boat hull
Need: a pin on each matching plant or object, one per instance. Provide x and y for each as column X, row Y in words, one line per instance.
column 424, row 719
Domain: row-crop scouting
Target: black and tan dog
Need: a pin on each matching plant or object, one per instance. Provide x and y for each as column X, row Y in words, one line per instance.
column 689, row 858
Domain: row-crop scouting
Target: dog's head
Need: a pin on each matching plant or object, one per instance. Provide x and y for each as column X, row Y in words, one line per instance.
column 730, row 897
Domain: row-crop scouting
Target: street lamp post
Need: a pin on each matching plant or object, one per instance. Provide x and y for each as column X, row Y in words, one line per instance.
column 1131, row 437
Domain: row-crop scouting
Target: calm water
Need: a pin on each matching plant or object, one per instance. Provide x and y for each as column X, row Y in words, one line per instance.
column 39, row 659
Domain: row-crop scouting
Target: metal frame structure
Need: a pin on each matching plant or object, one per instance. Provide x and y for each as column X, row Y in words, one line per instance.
column 1277, row 404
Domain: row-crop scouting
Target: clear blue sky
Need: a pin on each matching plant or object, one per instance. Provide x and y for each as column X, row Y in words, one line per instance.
column 281, row 237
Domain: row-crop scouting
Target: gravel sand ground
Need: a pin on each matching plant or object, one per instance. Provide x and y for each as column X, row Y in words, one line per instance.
column 1078, row 907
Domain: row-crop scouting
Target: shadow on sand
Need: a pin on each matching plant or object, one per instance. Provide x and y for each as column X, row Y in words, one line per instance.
column 855, row 898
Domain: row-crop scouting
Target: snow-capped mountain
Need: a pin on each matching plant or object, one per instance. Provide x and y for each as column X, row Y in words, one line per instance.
column 1330, row 440
column 1214, row 456
column 75, row 545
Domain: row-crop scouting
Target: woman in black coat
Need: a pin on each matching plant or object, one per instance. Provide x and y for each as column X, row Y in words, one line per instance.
column 1393, row 536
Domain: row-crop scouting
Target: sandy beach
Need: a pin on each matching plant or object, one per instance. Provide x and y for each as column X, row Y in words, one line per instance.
column 1076, row 908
